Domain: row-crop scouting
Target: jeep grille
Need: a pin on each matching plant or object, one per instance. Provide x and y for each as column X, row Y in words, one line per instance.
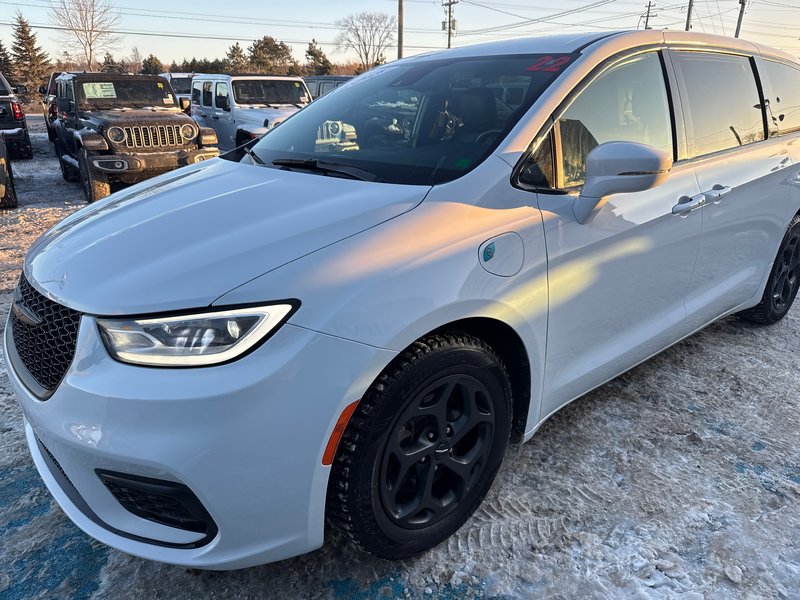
column 153, row 136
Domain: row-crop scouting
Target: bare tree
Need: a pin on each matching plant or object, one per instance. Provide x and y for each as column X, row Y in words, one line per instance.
column 87, row 26
column 368, row 34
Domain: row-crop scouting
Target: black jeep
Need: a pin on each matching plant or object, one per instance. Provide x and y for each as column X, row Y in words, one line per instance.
column 114, row 128
column 12, row 120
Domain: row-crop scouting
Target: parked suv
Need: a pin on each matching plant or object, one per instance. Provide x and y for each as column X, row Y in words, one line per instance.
column 181, row 84
column 13, row 124
column 217, row 364
column 319, row 85
column 124, row 129
column 242, row 107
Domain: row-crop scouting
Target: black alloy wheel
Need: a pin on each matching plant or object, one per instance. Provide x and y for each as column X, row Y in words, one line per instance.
column 437, row 450
column 423, row 447
column 783, row 283
column 787, row 276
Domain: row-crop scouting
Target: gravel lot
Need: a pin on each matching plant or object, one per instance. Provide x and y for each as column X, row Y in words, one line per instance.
column 679, row 479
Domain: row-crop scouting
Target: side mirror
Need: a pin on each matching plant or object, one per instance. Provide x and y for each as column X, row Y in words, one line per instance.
column 620, row 168
column 43, row 90
column 21, row 89
column 184, row 103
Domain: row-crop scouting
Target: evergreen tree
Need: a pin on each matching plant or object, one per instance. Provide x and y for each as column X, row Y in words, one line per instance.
column 152, row 66
column 270, row 56
column 6, row 66
column 109, row 64
column 236, row 60
column 31, row 64
column 317, row 62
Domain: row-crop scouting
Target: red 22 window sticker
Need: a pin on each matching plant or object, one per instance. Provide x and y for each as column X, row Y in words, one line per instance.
column 550, row 64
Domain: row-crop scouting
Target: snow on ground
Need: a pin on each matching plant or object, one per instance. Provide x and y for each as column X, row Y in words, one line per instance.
column 679, row 479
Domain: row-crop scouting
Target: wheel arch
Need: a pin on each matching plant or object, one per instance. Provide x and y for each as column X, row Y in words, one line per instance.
column 507, row 343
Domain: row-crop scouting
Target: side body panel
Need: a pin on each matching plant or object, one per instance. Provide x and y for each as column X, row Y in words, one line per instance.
column 392, row 284
column 617, row 284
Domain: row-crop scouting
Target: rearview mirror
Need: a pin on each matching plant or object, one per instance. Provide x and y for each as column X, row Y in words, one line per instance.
column 43, row 90
column 620, row 168
column 184, row 103
column 20, row 89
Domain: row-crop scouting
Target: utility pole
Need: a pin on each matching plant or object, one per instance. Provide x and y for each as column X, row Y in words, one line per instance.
column 689, row 15
column 399, row 29
column 647, row 18
column 742, row 4
column 450, row 25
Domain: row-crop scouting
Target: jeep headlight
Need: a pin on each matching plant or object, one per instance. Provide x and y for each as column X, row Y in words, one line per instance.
column 192, row 340
column 116, row 134
column 188, row 132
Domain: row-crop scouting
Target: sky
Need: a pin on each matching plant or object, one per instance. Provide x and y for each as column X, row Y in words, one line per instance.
column 206, row 28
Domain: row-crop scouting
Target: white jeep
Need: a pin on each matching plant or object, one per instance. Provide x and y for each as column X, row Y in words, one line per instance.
column 242, row 107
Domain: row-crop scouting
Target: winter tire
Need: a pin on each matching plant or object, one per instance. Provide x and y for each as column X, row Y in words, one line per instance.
column 423, row 447
column 9, row 199
column 95, row 185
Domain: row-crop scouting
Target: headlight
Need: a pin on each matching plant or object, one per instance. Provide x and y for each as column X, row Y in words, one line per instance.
column 191, row 340
column 188, row 132
column 116, row 134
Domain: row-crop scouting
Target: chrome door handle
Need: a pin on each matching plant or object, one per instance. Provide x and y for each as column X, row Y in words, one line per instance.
column 687, row 204
column 716, row 193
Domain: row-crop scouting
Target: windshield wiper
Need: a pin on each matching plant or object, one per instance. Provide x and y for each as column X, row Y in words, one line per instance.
column 253, row 156
column 313, row 164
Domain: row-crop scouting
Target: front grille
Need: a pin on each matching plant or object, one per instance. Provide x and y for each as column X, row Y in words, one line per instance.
column 153, row 136
column 44, row 334
column 166, row 502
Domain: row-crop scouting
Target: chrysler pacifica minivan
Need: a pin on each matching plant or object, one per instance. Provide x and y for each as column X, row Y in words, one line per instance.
column 348, row 319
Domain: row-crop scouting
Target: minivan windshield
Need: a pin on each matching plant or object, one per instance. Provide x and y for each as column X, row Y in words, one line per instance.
column 417, row 122
column 131, row 92
column 269, row 91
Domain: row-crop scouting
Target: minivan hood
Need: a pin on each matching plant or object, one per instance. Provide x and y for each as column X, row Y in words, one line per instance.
column 183, row 239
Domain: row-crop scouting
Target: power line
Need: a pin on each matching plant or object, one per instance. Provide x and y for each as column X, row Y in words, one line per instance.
column 545, row 19
column 200, row 36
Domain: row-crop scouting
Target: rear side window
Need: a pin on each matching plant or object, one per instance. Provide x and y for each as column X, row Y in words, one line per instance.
column 783, row 108
column 627, row 103
column 723, row 101
column 207, row 93
column 196, row 86
column 326, row 87
column 221, row 95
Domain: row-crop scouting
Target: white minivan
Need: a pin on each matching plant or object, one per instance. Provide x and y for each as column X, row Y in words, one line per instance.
column 351, row 317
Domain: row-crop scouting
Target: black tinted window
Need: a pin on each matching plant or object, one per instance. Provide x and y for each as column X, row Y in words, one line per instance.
column 207, row 93
column 627, row 103
column 723, row 101
column 784, row 105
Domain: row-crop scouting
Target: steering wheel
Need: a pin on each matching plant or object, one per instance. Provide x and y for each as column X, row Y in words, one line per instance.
column 487, row 137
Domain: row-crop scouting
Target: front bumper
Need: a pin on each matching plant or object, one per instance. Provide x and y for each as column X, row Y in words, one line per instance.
column 246, row 438
column 125, row 162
